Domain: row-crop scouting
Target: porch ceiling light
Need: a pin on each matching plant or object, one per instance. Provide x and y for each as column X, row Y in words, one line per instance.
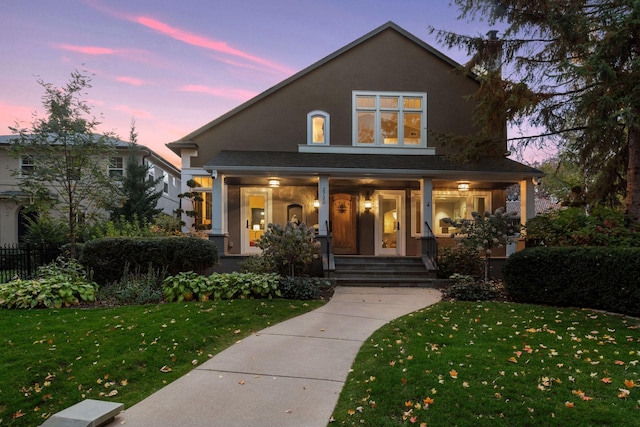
column 274, row 183
column 463, row 186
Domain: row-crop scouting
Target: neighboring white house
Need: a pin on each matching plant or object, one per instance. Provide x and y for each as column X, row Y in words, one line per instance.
column 12, row 201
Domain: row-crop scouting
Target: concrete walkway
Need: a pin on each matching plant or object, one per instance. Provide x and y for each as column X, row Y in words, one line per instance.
column 290, row 374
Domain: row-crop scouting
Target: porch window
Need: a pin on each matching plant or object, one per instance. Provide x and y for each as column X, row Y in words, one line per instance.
column 203, row 204
column 116, row 167
column 455, row 205
column 318, row 128
column 416, row 214
column 389, row 119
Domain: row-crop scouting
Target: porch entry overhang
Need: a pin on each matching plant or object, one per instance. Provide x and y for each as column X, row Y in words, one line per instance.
column 263, row 163
column 331, row 177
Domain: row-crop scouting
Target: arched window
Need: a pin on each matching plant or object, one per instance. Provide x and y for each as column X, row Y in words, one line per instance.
column 318, row 128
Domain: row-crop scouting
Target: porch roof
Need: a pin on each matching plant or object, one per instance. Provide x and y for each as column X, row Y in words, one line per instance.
column 230, row 162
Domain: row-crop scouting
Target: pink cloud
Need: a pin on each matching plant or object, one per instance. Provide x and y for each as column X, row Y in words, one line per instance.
column 87, row 50
column 139, row 114
column 204, row 42
column 232, row 93
column 131, row 80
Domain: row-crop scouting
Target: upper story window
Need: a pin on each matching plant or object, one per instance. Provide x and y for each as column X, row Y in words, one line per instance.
column 318, row 128
column 389, row 119
column 116, row 167
column 27, row 165
column 165, row 182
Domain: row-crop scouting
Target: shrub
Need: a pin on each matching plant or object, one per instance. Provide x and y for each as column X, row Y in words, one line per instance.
column 244, row 285
column 574, row 227
column 58, row 284
column 189, row 286
column 107, row 257
column 599, row 278
column 487, row 231
column 461, row 259
column 468, row 288
column 257, row 264
column 135, row 287
column 186, row 286
column 301, row 287
column 290, row 249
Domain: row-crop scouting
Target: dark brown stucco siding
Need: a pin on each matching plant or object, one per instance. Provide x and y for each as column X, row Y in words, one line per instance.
column 387, row 61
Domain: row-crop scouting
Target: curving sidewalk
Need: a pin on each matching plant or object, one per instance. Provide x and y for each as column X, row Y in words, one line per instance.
column 289, row 374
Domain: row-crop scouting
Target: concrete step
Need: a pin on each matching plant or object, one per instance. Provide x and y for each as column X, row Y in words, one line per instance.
column 382, row 271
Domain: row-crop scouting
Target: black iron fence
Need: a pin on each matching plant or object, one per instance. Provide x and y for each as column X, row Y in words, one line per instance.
column 20, row 260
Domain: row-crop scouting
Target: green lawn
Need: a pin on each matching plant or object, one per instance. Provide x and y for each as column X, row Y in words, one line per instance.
column 496, row 364
column 51, row 359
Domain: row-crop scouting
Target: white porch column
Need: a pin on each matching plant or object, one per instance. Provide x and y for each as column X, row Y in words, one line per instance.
column 323, row 210
column 426, row 199
column 527, row 201
column 183, row 202
column 218, row 204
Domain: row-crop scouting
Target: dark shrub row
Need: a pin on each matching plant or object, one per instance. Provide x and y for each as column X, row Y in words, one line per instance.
column 599, row 278
column 107, row 257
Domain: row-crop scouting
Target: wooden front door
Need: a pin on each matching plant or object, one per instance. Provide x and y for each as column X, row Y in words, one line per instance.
column 343, row 224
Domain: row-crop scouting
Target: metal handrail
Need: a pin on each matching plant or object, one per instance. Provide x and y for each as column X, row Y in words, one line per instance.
column 432, row 244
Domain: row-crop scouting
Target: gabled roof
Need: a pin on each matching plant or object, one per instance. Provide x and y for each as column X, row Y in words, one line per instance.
column 185, row 141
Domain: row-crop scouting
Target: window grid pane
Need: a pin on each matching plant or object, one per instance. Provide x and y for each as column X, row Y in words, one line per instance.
column 365, row 128
column 389, row 119
column 366, row 101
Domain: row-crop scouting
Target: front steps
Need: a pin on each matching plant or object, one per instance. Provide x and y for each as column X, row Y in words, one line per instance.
column 382, row 271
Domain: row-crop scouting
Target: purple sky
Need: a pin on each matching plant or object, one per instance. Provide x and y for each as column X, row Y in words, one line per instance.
column 176, row 65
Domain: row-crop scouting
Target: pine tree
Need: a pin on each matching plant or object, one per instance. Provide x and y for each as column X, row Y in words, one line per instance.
column 140, row 192
column 571, row 75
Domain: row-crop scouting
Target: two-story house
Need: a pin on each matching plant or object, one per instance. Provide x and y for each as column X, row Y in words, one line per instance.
column 12, row 201
column 346, row 145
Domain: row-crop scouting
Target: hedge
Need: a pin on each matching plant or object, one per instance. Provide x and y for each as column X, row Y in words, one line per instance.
column 602, row 278
column 107, row 257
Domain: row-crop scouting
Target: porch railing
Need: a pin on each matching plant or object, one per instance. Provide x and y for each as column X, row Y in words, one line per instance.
column 21, row 260
column 431, row 244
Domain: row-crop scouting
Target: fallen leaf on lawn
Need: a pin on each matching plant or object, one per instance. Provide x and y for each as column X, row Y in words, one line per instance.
column 629, row 383
column 569, row 404
column 408, row 404
column 18, row 414
column 237, row 331
column 619, row 362
column 428, row 401
column 194, row 362
column 513, row 360
column 606, row 380
column 624, row 393
column 165, row 369
column 453, row 373
column 351, row 411
column 465, row 384
column 124, row 382
column 112, row 393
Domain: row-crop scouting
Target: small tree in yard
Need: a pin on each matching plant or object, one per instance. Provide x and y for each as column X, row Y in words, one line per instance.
column 291, row 249
column 486, row 232
column 141, row 196
column 70, row 159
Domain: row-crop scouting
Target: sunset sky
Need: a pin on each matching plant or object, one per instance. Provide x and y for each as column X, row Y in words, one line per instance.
column 174, row 66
